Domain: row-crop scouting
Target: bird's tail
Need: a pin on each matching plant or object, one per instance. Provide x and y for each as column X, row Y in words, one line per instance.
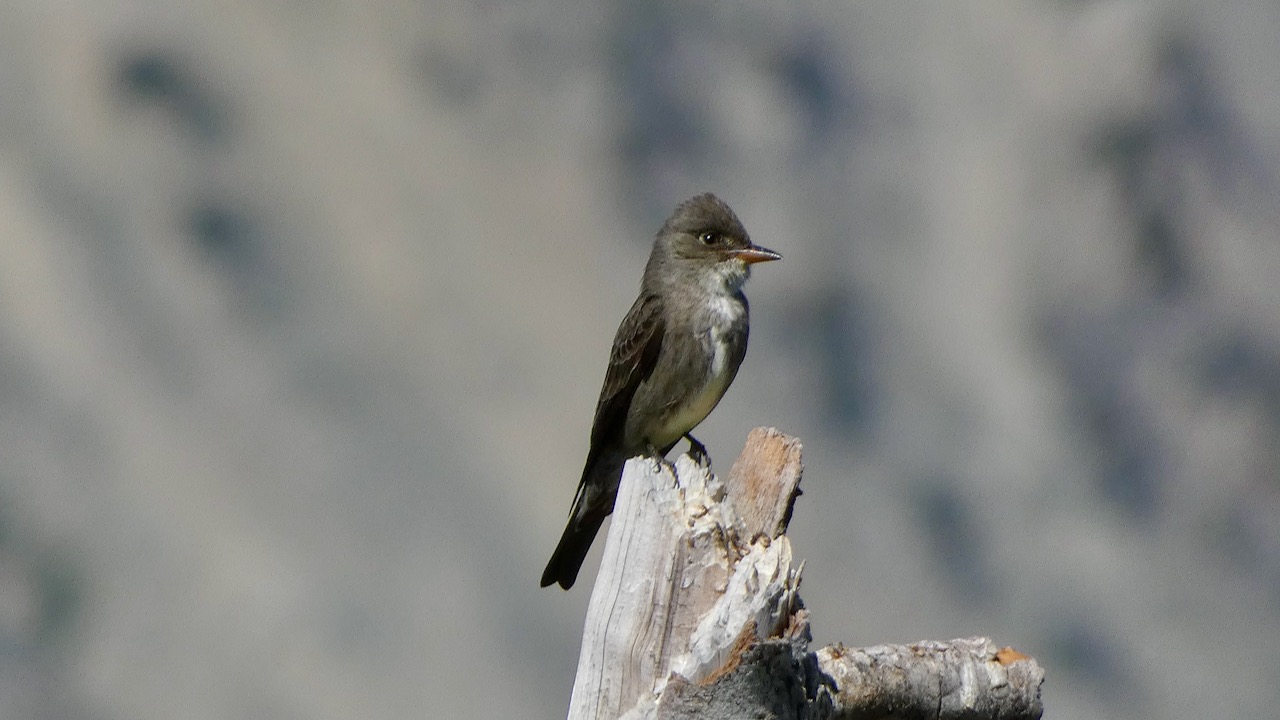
column 567, row 559
column 591, row 505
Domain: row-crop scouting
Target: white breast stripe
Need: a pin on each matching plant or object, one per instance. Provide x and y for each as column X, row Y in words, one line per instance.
column 724, row 310
column 719, row 352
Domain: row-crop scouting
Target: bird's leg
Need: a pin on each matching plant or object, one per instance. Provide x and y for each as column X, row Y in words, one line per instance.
column 656, row 455
column 698, row 451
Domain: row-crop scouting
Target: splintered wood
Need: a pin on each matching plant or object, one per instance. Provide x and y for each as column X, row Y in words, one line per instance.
column 695, row 613
column 765, row 481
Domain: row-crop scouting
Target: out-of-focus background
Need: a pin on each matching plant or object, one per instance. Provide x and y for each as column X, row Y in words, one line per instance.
column 304, row 308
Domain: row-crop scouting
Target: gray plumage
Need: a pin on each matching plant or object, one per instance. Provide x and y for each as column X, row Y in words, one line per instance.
column 674, row 356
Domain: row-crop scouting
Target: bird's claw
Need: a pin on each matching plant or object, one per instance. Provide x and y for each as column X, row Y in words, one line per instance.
column 660, row 459
column 698, row 451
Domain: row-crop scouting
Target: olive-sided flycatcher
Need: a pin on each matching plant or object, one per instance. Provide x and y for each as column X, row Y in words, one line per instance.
column 674, row 356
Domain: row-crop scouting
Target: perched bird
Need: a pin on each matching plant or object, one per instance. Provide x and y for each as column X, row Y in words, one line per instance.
column 673, row 357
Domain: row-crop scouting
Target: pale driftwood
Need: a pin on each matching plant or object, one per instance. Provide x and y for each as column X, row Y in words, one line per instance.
column 695, row 614
column 966, row 678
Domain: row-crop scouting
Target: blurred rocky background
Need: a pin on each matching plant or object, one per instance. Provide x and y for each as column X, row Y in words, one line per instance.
column 304, row 307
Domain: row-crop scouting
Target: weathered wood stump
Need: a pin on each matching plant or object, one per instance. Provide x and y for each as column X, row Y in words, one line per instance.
column 695, row 614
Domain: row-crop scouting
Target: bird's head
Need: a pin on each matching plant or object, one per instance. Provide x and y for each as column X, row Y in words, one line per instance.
column 704, row 237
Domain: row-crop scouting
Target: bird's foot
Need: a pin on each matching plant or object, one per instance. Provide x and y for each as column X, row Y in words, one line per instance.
column 698, row 451
column 661, row 460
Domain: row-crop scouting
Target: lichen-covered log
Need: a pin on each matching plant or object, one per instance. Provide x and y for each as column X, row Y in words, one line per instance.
column 695, row 614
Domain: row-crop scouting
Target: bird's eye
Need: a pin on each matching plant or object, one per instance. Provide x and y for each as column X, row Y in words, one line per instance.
column 708, row 238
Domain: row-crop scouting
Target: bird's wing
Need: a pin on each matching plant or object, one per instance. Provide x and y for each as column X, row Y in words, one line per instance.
column 634, row 356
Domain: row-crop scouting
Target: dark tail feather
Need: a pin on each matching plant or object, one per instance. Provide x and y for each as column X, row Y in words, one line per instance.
column 591, row 505
column 566, row 561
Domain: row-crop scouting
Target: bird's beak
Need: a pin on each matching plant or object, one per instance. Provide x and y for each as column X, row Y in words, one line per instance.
column 755, row 254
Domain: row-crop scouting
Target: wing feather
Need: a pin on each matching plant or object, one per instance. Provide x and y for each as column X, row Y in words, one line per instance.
column 635, row 355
